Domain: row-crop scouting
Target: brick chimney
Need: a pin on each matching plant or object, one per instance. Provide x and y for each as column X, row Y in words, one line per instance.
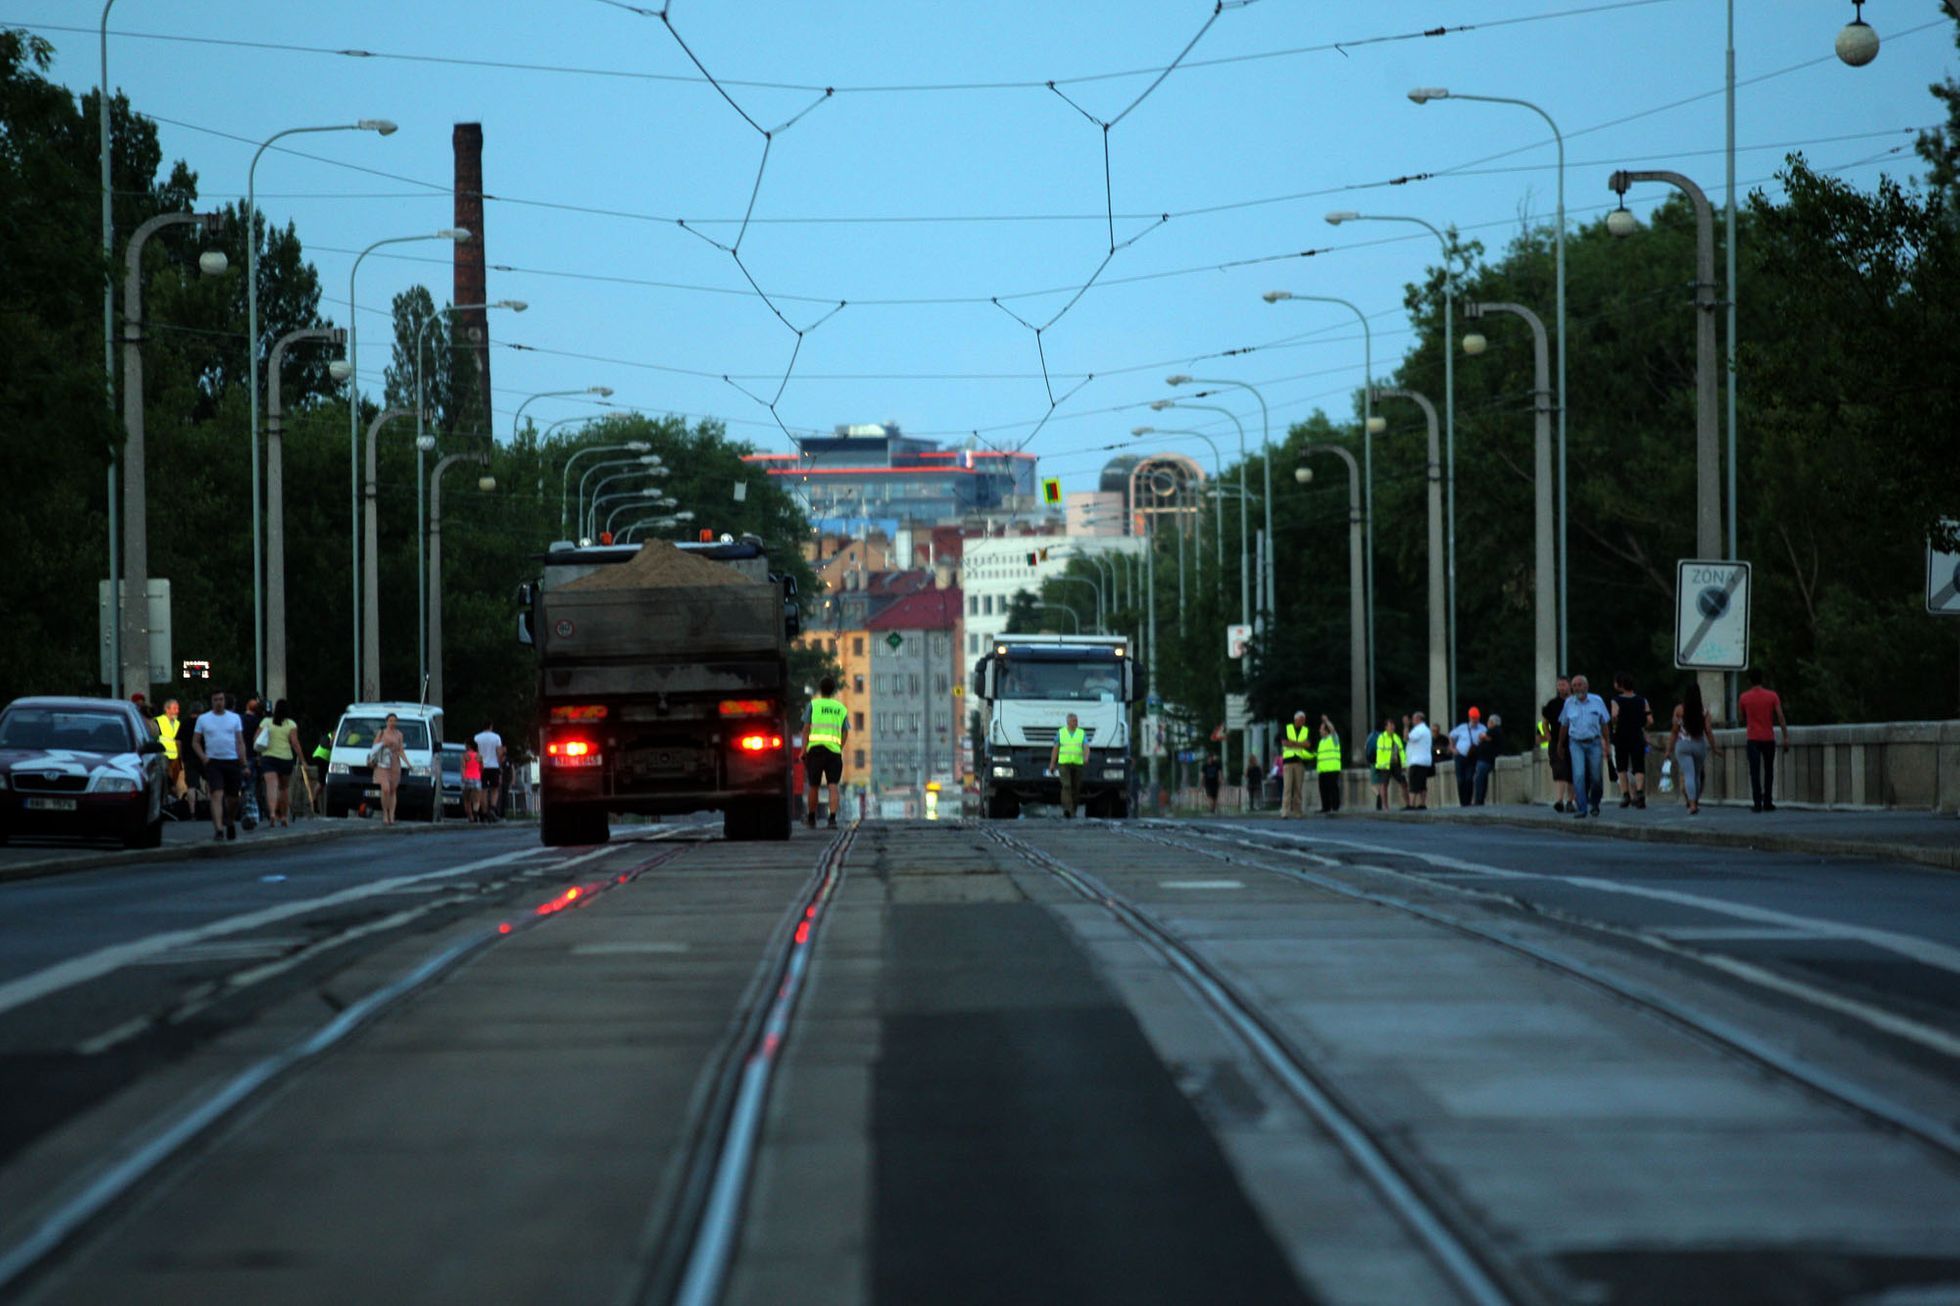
column 473, row 327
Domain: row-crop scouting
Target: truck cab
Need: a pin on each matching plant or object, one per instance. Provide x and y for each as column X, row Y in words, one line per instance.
column 1027, row 686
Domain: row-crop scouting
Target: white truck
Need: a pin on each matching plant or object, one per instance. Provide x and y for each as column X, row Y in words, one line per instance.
column 1026, row 687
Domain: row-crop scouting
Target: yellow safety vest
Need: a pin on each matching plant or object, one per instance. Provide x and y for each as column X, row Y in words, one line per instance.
column 1299, row 743
column 1544, row 734
column 827, row 718
column 1327, row 754
column 1069, row 746
column 167, row 728
column 1388, row 750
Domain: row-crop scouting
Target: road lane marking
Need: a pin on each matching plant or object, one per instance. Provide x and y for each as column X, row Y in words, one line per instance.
column 67, row 974
column 108, row 1038
column 1733, row 933
column 623, row 949
column 1200, row 884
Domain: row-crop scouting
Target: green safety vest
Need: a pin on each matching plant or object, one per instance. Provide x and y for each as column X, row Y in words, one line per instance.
column 1327, row 754
column 1299, row 743
column 827, row 718
column 1069, row 746
column 1388, row 750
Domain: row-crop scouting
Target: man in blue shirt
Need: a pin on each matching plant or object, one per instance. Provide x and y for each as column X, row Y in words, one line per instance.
column 1463, row 745
column 1582, row 726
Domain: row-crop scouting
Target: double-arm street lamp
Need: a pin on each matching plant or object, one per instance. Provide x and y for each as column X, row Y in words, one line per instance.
column 565, row 478
column 458, row 235
column 1422, row 95
column 381, row 127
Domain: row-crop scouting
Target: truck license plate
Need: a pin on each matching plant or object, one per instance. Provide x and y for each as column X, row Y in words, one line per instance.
column 50, row 804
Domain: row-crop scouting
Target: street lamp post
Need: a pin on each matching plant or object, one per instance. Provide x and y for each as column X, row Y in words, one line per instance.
column 644, row 495
column 1708, row 453
column 1357, row 607
column 371, row 563
column 129, row 595
column 1422, row 95
column 565, row 478
column 1439, row 674
column 275, row 506
column 1268, row 596
column 603, row 391
column 644, row 460
column 423, row 444
column 1367, row 458
column 485, row 483
column 380, row 126
column 1093, row 589
column 354, row 424
column 109, row 356
column 1449, row 406
column 1545, row 663
column 590, row 525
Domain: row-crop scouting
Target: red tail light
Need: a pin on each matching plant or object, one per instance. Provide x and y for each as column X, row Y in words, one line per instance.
column 595, row 712
column 746, row 707
column 759, row 743
column 572, row 752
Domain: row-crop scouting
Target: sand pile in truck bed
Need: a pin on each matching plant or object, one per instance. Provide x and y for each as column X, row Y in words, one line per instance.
column 659, row 565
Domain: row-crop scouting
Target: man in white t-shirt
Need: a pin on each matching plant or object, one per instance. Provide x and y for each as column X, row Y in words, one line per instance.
column 219, row 739
column 1422, row 762
column 490, row 747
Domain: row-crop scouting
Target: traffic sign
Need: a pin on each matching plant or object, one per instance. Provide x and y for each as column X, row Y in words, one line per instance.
column 1711, row 615
column 1051, row 491
column 1238, row 712
column 1237, row 637
column 895, row 640
column 1942, row 581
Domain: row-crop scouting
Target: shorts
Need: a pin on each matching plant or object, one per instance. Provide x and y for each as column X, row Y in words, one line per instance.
column 821, row 766
column 490, row 774
column 471, row 784
column 1419, row 778
column 1211, row 788
column 1561, row 766
column 224, row 775
column 1381, row 776
column 1631, row 758
column 279, row 766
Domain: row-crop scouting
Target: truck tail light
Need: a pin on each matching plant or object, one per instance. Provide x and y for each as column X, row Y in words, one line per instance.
column 594, row 712
column 759, row 743
column 572, row 752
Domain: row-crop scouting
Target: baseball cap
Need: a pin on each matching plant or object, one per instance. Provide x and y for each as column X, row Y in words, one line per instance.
column 1475, row 715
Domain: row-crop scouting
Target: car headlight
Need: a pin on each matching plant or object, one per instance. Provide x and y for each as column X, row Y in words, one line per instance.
column 1004, row 771
column 112, row 784
column 337, row 768
column 419, row 772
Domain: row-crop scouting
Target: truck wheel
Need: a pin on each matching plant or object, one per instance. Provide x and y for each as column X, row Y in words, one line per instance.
column 737, row 823
column 1117, row 809
column 772, row 819
column 557, row 827
column 598, row 828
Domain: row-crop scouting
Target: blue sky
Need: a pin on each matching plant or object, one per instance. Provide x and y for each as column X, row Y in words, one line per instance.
column 1001, row 189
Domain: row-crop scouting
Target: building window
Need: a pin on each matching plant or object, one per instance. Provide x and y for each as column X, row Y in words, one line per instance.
column 857, row 646
column 858, row 725
column 857, row 759
column 912, row 684
column 987, row 606
column 857, row 683
column 972, row 645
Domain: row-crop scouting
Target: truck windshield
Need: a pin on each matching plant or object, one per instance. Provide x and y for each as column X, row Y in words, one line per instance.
column 1073, row 682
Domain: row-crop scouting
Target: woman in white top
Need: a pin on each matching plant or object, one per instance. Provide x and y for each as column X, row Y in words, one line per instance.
column 390, row 754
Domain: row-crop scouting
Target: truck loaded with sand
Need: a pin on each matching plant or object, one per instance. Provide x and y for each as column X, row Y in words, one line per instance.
column 663, row 686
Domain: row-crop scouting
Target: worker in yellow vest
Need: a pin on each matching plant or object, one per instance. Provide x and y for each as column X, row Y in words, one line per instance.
column 173, row 760
column 1295, row 753
column 1387, row 761
column 1327, row 765
column 1071, row 750
column 829, row 726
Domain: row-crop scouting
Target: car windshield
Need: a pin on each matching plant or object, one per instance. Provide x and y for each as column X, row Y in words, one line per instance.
column 452, row 763
column 1075, row 682
column 79, row 731
column 360, row 732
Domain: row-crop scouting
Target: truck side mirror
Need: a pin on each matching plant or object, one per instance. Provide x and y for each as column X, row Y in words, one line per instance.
column 792, row 620
column 1132, row 692
column 524, row 598
column 524, row 627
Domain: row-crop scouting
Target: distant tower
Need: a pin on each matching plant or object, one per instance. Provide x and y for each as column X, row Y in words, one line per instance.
column 473, row 327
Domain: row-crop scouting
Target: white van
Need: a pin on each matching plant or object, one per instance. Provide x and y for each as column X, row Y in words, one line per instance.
column 350, row 780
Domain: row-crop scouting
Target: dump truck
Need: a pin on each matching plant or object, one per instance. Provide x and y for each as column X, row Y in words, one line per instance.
column 1027, row 685
column 663, row 686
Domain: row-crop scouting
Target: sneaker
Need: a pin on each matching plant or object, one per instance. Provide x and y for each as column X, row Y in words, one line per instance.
column 1626, row 800
column 1559, row 806
column 231, row 831
column 1579, row 815
column 1640, row 804
column 832, row 823
column 810, row 820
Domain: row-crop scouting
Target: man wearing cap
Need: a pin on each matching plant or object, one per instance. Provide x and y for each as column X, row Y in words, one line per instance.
column 1463, row 747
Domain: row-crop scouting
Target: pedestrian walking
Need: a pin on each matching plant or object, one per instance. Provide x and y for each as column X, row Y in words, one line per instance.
column 1212, row 776
column 278, row 746
column 169, row 726
column 1490, row 746
column 490, row 747
column 1327, row 767
column 1388, row 756
column 1547, row 730
column 388, row 756
column 1690, row 743
column 1633, row 716
column 322, row 758
column 1463, row 750
column 1762, row 716
column 1422, row 761
column 1066, row 757
column 1583, row 724
column 254, row 810
column 472, row 783
column 1297, row 750
column 219, row 742
column 1253, row 778
column 827, row 725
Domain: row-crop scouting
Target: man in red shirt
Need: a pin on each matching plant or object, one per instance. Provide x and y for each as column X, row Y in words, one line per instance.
column 1762, row 713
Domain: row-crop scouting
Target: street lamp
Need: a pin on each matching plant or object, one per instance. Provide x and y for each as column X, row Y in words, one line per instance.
column 423, row 444
column 1218, row 475
column 1245, row 479
column 1369, row 430
column 458, row 235
column 644, row 465
column 1268, row 597
column 1335, row 219
column 129, row 593
column 1357, row 609
column 371, row 562
column 603, row 391
column 381, row 127
column 275, row 500
column 1439, row 679
column 1857, row 43
column 1422, row 95
column 1545, row 664
column 565, row 476
column 485, row 483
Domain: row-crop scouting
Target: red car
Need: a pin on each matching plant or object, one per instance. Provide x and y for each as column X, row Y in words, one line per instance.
column 85, row 767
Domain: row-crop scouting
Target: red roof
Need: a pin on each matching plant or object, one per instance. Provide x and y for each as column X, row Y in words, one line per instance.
column 926, row 610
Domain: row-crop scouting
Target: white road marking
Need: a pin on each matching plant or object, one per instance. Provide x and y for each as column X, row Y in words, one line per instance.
column 621, row 949
column 108, row 1038
column 1200, row 884
column 1734, row 933
column 104, row 961
column 227, row 950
